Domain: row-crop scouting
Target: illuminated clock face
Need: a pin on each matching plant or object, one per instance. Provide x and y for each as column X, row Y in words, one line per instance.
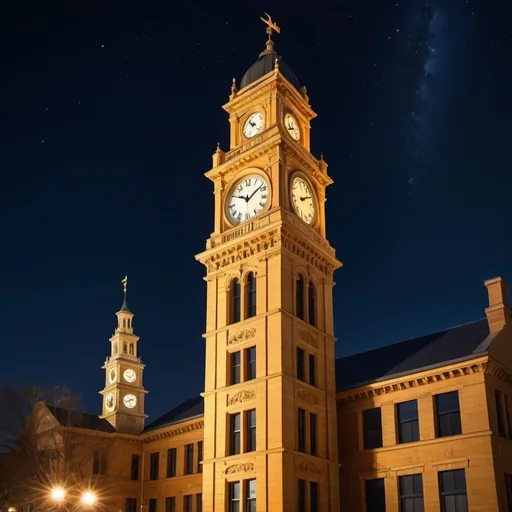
column 303, row 200
column 253, row 125
column 292, row 126
column 129, row 375
column 247, row 198
column 112, row 375
column 130, row 401
column 109, row 401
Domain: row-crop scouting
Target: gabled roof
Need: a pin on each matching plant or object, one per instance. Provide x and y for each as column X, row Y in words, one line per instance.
column 71, row 418
column 457, row 343
column 187, row 410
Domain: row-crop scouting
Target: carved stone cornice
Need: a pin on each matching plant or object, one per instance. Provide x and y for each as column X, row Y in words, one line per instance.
column 307, row 161
column 243, row 467
column 411, row 382
column 494, row 369
column 173, row 431
column 243, row 335
column 307, row 396
column 240, row 397
column 245, row 99
column 310, row 467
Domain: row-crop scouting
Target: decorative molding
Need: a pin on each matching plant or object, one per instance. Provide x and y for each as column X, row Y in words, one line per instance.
column 309, row 162
column 494, row 369
column 306, row 396
column 240, row 468
column 448, row 453
column 309, row 467
column 414, row 382
column 175, row 431
column 241, row 397
column 307, row 338
column 243, row 335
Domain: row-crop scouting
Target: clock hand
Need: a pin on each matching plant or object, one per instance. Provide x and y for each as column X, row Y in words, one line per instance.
column 304, row 198
column 250, row 197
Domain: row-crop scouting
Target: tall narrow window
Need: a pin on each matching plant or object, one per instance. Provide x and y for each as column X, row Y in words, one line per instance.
column 189, row 459
column 372, row 428
column 234, row 367
column 234, row 434
column 251, row 431
column 187, row 503
column 199, row 502
column 129, row 323
column 499, row 403
column 448, row 414
column 301, row 430
column 132, row 349
column 313, row 497
column 251, row 295
column 130, row 505
column 312, row 303
column 250, row 367
column 300, row 363
column 312, row 433
column 134, row 470
column 154, row 463
column 312, row 370
column 452, row 490
column 235, row 301
column 411, row 493
column 153, row 505
column 171, row 462
column 508, row 487
column 234, row 496
column 299, row 297
column 125, row 348
column 250, row 496
column 301, row 495
column 170, row 504
column 200, row 456
column 99, row 465
column 408, row 426
column 375, row 495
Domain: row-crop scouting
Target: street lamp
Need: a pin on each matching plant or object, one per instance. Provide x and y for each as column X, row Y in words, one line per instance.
column 88, row 498
column 58, row 494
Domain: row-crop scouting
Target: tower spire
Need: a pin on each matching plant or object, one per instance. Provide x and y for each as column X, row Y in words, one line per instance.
column 124, row 306
column 271, row 26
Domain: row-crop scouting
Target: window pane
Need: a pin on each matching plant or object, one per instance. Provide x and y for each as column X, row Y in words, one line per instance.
column 251, row 295
column 312, row 303
column 312, row 433
column 134, row 473
column 199, row 456
column 301, row 495
column 447, row 402
column 312, row 370
column 299, row 297
column 250, row 496
column 375, row 495
column 301, row 430
column 251, row 363
column 235, row 367
column 313, row 497
column 170, row 504
column 235, row 301
column 407, row 410
column 300, row 363
column 372, row 428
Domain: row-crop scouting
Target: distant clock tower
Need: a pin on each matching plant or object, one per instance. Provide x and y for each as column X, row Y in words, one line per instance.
column 123, row 395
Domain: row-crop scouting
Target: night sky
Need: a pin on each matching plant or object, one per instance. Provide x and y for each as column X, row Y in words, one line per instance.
column 110, row 113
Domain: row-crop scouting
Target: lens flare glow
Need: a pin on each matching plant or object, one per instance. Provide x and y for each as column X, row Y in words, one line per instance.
column 88, row 498
column 58, row 494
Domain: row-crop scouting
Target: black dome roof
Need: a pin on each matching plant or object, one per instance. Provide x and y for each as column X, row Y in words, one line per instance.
column 264, row 65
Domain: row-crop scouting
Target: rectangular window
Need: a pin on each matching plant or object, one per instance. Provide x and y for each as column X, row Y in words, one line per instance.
column 448, row 414
column 375, row 495
column 499, row 403
column 301, row 495
column 313, row 497
column 130, row 505
column 408, row 425
column 199, row 502
column 234, row 496
column 301, row 430
column 251, row 431
column 99, row 465
column 235, row 367
column 300, row 364
column 234, row 434
column 134, row 470
column 312, row 370
column 189, row 459
column 508, row 486
column 154, row 463
column 250, row 496
column 452, row 490
column 170, row 504
column 250, row 366
column 411, row 493
column 153, row 505
column 312, row 433
column 187, row 503
column 171, row 462
column 508, row 416
column 200, row 456
column 372, row 428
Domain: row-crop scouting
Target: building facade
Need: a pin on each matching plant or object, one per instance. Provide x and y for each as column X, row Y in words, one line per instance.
column 282, row 425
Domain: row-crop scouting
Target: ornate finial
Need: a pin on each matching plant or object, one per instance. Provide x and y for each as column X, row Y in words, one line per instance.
column 276, row 63
column 124, row 307
column 270, row 27
column 234, row 89
column 218, row 146
column 125, row 282
column 322, row 155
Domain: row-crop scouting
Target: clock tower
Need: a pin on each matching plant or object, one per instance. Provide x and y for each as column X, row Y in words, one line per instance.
column 270, row 428
column 123, row 395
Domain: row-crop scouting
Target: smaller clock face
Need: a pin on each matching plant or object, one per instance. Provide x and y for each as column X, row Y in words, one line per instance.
column 129, row 375
column 292, row 126
column 130, row 401
column 112, row 375
column 247, row 198
column 109, row 401
column 253, row 125
column 303, row 200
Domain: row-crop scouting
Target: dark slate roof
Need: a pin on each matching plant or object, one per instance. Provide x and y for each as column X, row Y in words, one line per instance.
column 457, row 343
column 72, row 418
column 264, row 65
column 190, row 408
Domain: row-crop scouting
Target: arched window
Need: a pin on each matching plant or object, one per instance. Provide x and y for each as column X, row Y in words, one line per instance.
column 235, row 301
column 129, row 322
column 312, row 303
column 116, row 348
column 299, row 297
column 125, row 348
column 124, row 323
column 251, row 294
column 131, row 349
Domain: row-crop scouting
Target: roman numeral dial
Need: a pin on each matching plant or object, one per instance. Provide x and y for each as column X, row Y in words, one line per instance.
column 247, row 198
column 303, row 199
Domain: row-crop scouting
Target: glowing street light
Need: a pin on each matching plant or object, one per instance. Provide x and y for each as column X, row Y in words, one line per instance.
column 58, row 494
column 11, row 509
column 88, row 498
